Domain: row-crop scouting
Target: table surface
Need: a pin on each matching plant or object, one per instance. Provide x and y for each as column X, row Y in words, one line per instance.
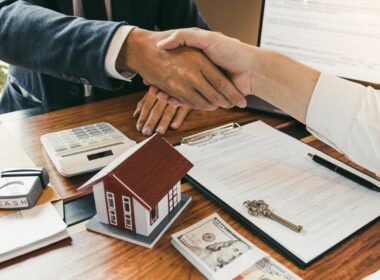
column 92, row 255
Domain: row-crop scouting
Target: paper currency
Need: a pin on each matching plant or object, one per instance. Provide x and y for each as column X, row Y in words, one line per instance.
column 219, row 252
column 267, row 269
column 214, row 243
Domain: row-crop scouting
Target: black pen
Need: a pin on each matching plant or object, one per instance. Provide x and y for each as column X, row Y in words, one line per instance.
column 345, row 173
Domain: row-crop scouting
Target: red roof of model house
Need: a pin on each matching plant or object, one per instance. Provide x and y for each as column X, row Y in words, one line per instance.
column 148, row 170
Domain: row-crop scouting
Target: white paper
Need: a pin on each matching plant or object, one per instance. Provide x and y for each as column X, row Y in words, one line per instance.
column 27, row 228
column 13, row 153
column 340, row 37
column 259, row 162
column 374, row 276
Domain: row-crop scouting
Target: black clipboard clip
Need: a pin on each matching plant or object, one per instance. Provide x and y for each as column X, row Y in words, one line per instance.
column 209, row 134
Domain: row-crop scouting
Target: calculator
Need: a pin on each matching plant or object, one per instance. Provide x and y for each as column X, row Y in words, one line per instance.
column 86, row 148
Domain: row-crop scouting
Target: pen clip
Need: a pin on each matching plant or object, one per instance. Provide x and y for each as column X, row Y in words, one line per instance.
column 209, row 134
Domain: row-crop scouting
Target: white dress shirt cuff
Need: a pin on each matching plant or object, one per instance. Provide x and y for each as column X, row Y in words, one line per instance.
column 345, row 116
column 114, row 48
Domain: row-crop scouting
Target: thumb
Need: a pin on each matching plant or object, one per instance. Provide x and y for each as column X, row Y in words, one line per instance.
column 172, row 42
column 192, row 37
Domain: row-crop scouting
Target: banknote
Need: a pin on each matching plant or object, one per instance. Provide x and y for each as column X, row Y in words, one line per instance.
column 220, row 252
column 267, row 269
column 214, row 243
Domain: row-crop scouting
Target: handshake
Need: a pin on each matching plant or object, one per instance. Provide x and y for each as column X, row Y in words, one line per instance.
column 192, row 67
column 205, row 70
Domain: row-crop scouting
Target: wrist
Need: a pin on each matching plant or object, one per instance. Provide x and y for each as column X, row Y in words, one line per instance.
column 258, row 69
column 131, row 50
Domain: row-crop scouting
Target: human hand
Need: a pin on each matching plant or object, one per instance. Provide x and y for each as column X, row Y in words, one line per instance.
column 186, row 73
column 230, row 54
column 157, row 115
column 265, row 73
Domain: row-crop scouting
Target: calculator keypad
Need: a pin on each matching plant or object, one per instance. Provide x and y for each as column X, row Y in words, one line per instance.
column 82, row 137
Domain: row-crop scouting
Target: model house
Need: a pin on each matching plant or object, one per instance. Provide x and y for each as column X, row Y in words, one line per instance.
column 140, row 188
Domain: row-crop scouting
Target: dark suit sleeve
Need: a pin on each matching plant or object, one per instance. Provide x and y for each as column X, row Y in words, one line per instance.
column 175, row 14
column 62, row 46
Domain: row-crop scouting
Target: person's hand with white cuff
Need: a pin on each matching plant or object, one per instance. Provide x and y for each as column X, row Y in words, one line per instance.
column 156, row 115
column 343, row 114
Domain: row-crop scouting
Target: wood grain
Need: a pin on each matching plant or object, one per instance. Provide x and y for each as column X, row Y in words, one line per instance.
column 119, row 112
column 94, row 256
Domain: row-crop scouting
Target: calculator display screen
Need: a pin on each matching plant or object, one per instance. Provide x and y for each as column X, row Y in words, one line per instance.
column 100, row 155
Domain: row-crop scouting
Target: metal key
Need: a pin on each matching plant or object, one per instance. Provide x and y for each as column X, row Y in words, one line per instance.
column 260, row 208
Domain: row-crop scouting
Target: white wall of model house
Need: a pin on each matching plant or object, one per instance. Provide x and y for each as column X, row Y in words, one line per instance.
column 141, row 214
column 100, row 203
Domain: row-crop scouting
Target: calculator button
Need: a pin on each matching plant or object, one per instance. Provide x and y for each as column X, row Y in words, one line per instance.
column 116, row 135
column 59, row 148
column 74, row 145
column 95, row 133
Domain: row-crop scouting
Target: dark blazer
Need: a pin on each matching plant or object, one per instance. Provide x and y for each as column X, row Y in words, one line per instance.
column 52, row 53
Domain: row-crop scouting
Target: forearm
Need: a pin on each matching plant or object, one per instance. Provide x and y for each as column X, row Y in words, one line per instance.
column 283, row 82
column 42, row 40
column 342, row 114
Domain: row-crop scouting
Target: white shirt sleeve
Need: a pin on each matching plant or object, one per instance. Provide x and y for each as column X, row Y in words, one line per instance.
column 114, row 48
column 346, row 116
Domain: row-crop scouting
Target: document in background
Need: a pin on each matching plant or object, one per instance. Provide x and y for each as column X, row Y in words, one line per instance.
column 340, row 37
column 373, row 276
column 219, row 252
column 260, row 162
column 29, row 230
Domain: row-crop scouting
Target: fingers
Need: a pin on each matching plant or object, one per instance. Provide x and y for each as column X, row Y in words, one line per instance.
column 191, row 37
column 163, row 96
column 166, row 119
column 156, row 115
column 181, row 115
column 174, row 102
column 145, row 107
column 139, row 106
column 154, row 118
column 223, row 87
column 213, row 95
column 187, row 92
column 214, row 86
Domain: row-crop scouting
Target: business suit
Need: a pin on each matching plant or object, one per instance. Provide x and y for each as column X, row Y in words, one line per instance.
column 52, row 53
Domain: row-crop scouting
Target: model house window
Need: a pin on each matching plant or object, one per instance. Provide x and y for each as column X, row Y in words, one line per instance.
column 111, row 208
column 126, row 204
column 111, row 200
column 173, row 198
column 154, row 215
column 112, row 214
column 127, row 212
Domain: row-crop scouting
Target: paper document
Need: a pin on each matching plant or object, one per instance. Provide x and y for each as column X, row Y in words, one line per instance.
column 28, row 230
column 259, row 162
column 340, row 37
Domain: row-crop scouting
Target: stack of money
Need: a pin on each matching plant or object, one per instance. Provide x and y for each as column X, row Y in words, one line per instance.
column 219, row 252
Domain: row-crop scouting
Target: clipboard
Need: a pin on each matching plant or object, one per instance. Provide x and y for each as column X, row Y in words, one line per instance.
column 229, row 129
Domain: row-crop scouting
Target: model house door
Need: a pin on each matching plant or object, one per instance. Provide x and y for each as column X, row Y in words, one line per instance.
column 127, row 209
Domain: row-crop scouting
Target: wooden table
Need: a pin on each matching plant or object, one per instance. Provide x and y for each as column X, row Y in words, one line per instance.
column 93, row 256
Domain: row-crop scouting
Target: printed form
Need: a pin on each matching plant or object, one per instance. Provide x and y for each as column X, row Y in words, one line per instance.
column 339, row 37
column 260, row 162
